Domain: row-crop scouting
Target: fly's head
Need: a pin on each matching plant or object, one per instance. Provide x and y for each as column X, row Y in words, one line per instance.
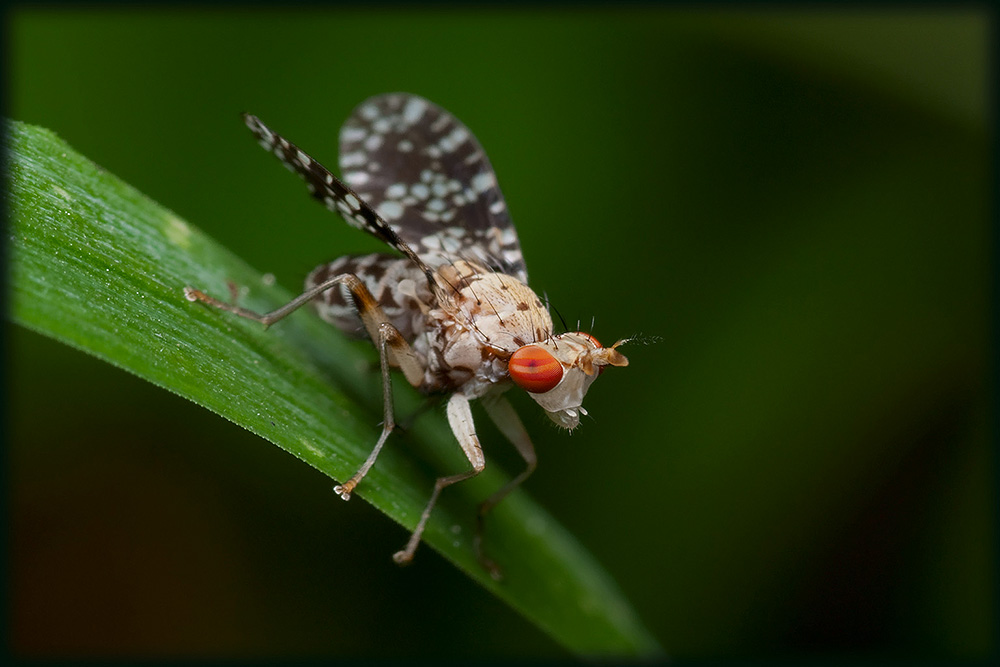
column 557, row 372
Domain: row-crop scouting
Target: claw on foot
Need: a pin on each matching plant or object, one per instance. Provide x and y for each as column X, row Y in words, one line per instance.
column 402, row 558
column 344, row 490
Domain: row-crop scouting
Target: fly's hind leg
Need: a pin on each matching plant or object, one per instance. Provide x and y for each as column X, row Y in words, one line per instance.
column 393, row 348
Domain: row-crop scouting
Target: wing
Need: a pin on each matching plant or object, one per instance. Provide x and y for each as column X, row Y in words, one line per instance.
column 325, row 187
column 426, row 174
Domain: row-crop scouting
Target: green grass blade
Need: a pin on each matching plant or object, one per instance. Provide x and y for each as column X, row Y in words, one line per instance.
column 100, row 267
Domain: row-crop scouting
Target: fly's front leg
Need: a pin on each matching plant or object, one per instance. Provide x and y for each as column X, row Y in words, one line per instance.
column 393, row 348
column 460, row 419
column 503, row 415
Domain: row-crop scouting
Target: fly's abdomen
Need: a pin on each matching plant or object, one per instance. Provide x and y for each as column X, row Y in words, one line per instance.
column 399, row 287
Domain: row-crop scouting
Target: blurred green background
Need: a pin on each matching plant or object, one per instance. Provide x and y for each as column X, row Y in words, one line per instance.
column 797, row 203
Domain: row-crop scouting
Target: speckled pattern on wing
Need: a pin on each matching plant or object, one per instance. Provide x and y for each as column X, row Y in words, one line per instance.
column 328, row 189
column 428, row 177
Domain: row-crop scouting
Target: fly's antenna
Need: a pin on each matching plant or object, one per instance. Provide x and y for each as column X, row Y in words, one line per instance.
column 641, row 339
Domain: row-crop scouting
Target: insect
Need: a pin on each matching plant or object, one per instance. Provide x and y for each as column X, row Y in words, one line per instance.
column 454, row 312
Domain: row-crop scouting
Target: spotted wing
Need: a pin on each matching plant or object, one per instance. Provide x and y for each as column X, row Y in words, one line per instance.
column 328, row 189
column 429, row 178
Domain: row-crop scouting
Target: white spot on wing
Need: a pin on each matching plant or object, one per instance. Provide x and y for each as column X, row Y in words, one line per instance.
column 512, row 257
column 441, row 122
column 352, row 159
column 353, row 133
column 413, row 110
column 390, row 210
column 452, row 141
column 356, row 177
column 483, row 181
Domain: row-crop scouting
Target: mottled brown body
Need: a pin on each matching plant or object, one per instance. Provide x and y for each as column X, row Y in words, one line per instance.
column 463, row 333
column 454, row 313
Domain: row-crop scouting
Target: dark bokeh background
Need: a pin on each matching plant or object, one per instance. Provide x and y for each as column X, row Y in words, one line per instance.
column 797, row 203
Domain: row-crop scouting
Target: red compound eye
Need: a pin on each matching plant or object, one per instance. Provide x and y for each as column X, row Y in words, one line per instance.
column 535, row 370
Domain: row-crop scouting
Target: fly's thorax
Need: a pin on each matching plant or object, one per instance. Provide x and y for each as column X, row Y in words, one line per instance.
column 501, row 312
column 480, row 318
column 558, row 372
